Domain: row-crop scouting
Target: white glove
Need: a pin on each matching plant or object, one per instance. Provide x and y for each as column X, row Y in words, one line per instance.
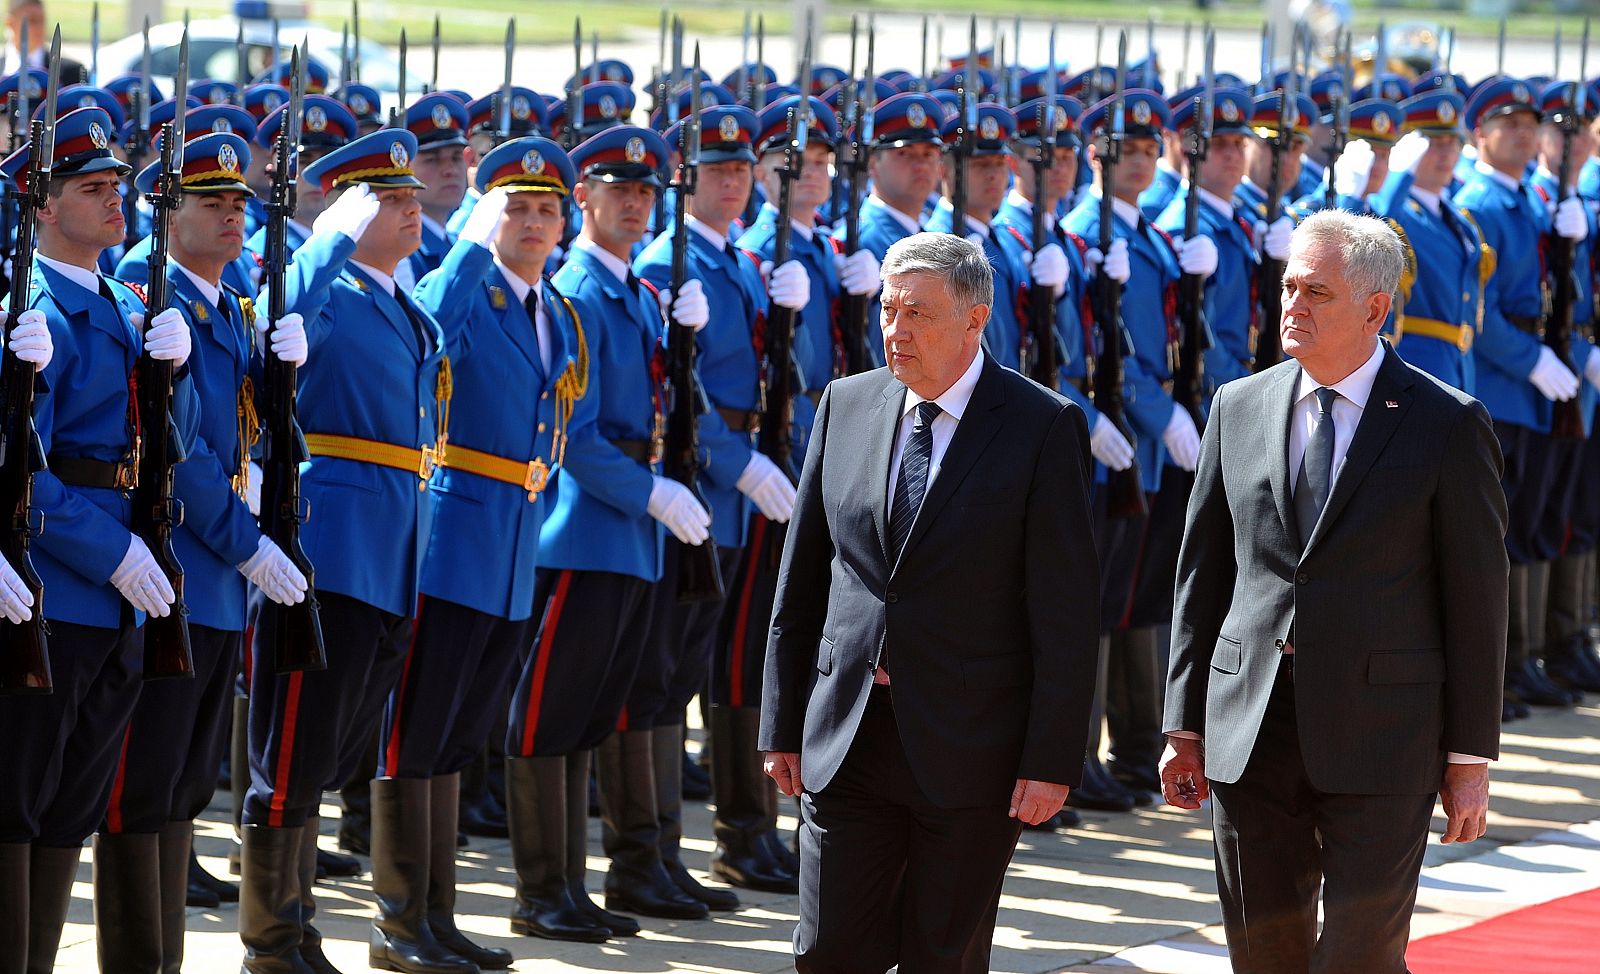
column 15, row 598
column 674, row 505
column 1408, row 152
column 1182, row 439
column 288, row 338
column 1198, row 255
column 790, row 285
column 1049, row 268
column 484, row 220
column 271, row 571
column 252, row 490
column 692, row 310
column 858, row 273
column 1109, row 446
column 167, row 338
column 768, row 488
column 30, row 339
column 1591, row 367
column 350, row 214
column 141, row 581
column 1354, row 166
column 1115, row 266
column 1552, row 378
column 1275, row 239
column 1571, row 221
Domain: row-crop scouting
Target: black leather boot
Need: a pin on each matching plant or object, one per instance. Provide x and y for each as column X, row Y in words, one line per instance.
column 401, row 939
column 536, row 803
column 785, row 853
column 1099, row 791
column 127, row 901
column 51, row 870
column 1135, row 684
column 1565, row 661
column 666, row 749
column 355, row 824
column 177, row 845
column 696, row 779
column 269, row 900
column 15, row 859
column 581, row 791
column 444, row 804
column 310, row 871
column 204, row 890
column 637, row 882
column 1530, row 682
column 741, row 857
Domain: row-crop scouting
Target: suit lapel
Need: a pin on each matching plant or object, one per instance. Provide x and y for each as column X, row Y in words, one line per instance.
column 1379, row 420
column 976, row 428
column 1277, row 430
column 884, row 424
column 390, row 308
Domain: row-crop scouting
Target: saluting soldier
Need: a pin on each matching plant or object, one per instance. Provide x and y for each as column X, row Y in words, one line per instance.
column 173, row 747
column 483, row 132
column 1266, row 122
column 439, row 122
column 1375, row 125
column 101, row 576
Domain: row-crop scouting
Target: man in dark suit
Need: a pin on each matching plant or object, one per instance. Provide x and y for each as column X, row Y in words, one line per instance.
column 932, row 652
column 1340, row 632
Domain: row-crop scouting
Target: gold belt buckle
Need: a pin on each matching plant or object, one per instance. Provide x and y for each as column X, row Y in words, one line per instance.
column 431, row 459
column 658, row 449
column 538, row 475
column 1464, row 339
column 127, row 476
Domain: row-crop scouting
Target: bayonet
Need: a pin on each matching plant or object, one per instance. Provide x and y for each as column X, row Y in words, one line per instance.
column 760, row 100
column 273, row 56
column 1500, row 50
column 344, row 53
column 575, row 87
column 397, row 118
column 744, row 59
column 503, row 110
column 1183, row 66
column 145, row 89
column 94, row 45
column 24, row 73
column 1381, row 65
column 594, row 56
column 922, row 79
column 355, row 37
column 434, row 83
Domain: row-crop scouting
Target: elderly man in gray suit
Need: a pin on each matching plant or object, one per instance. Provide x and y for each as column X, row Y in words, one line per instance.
column 1339, row 635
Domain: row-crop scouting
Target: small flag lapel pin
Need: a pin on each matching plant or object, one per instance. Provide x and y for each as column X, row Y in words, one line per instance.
column 1390, row 404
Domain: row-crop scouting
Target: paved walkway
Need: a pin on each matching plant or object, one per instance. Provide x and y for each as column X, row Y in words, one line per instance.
column 1124, row 893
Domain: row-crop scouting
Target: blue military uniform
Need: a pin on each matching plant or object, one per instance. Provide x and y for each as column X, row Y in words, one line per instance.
column 439, row 122
column 1153, row 201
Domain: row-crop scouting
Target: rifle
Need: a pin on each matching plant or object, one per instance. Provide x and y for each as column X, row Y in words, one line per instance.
column 1189, row 379
column 1124, row 488
column 922, row 79
column 855, row 308
column 156, row 512
column 434, row 84
column 699, row 577
column 397, row 114
column 24, row 646
column 967, row 131
column 741, row 89
column 1341, row 123
column 758, row 99
column 1041, row 355
column 502, row 125
column 575, row 89
column 297, row 635
column 355, row 46
column 94, row 46
column 849, row 113
column 1567, row 422
column 138, row 144
column 1267, row 345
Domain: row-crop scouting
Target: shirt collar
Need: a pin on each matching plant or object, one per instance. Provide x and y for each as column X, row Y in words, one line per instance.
column 912, row 224
column 81, row 276
column 434, row 227
column 519, row 287
column 1019, row 202
column 1356, row 387
column 611, row 262
column 1429, row 199
column 211, row 292
column 1515, row 185
column 717, row 239
column 806, row 232
column 976, row 225
column 1128, row 211
column 385, row 281
column 953, row 400
column 1225, row 207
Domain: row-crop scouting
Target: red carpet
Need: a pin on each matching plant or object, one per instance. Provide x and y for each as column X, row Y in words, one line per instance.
column 1557, row 937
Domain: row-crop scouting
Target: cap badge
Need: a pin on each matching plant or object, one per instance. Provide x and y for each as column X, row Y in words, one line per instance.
column 532, row 162
column 916, row 116
column 217, row 96
column 97, row 135
column 634, row 150
column 519, row 108
column 441, row 116
column 608, row 107
column 359, row 105
column 316, row 119
column 228, row 158
column 1381, row 124
column 1229, row 111
column 1520, row 92
column 399, row 156
column 87, row 101
column 728, row 128
column 1141, row 113
column 988, row 128
column 613, row 73
column 1447, row 112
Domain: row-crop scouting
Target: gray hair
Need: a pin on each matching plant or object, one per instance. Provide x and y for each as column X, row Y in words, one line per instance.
column 1371, row 250
column 960, row 263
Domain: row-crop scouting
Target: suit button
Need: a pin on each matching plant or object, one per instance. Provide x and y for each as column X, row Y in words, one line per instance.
column 541, row 427
column 1302, row 578
column 546, row 393
column 893, row 597
column 1277, row 644
column 422, row 412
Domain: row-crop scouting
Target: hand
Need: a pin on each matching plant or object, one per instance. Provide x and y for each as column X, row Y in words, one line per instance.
column 674, row 505
column 1182, row 439
column 1115, row 265
column 141, row 581
column 790, row 285
column 1275, row 241
column 768, row 488
column 1465, row 797
column 350, row 214
column 1408, row 152
column 1198, row 255
column 691, row 308
column 271, row 571
column 288, row 338
column 167, row 338
column 483, row 223
column 30, row 339
column 1109, row 446
column 858, row 273
column 1049, row 268
column 1591, row 367
column 1183, row 773
column 1571, row 222
column 1552, row 377
column 784, row 768
column 1354, row 166
column 1033, row 802
column 15, row 599
column 252, row 490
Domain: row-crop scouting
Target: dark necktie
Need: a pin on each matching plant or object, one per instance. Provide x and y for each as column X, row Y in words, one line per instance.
column 1451, row 221
column 1315, row 480
column 424, row 342
column 531, row 305
column 913, row 482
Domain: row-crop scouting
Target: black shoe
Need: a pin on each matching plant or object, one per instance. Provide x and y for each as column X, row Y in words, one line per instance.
column 1100, row 792
column 331, row 864
column 444, row 806
column 1508, row 712
column 354, row 840
column 201, row 896
column 199, row 879
column 1064, row 819
column 1141, row 777
column 1529, row 684
column 486, row 818
column 1573, row 665
column 739, row 861
column 619, row 924
column 715, row 898
column 696, row 780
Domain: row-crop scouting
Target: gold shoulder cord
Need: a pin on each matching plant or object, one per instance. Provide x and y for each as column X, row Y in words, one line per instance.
column 1488, row 261
column 1408, row 277
column 249, row 420
column 443, row 388
column 571, row 386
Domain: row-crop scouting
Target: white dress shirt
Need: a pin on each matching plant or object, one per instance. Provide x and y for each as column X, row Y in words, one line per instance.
column 1354, row 390
column 954, row 402
column 611, row 262
column 912, row 224
column 384, row 281
column 211, row 292
column 520, row 289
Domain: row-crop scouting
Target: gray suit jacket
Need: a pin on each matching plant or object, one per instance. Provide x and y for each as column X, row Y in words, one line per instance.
column 1398, row 600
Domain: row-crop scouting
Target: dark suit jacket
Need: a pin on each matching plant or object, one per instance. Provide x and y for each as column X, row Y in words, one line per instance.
column 1398, row 601
column 989, row 620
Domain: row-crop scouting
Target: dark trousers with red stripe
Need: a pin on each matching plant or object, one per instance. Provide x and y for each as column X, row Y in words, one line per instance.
column 1157, row 571
column 1586, row 499
column 308, row 730
column 1118, row 541
column 1540, row 483
column 439, row 715
column 740, row 653
column 591, row 631
column 62, row 748
column 173, row 746
column 677, row 661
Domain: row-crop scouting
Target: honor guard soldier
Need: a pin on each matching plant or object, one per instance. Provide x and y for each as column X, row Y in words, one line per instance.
column 66, row 744
column 1169, row 174
column 365, row 103
column 988, row 174
column 374, row 438
column 1266, row 120
column 483, row 134
column 318, row 76
column 439, row 122
column 1521, row 379
column 1326, row 90
column 1442, row 312
column 1375, row 125
column 174, row 744
column 732, row 368
column 1231, row 310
